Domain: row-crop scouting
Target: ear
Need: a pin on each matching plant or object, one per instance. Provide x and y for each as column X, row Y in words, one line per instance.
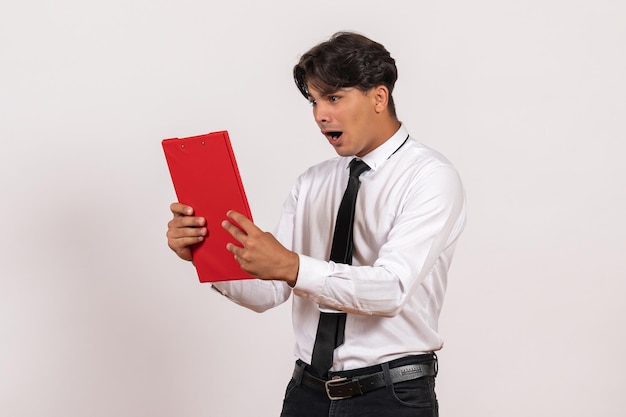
column 381, row 98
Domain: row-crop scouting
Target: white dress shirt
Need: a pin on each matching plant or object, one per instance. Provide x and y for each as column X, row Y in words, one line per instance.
column 410, row 211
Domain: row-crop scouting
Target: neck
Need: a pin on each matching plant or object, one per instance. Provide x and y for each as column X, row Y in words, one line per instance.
column 384, row 130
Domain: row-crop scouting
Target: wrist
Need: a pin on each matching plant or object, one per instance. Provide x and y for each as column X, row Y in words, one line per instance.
column 291, row 271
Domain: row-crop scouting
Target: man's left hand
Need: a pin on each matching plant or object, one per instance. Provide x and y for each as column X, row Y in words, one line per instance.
column 260, row 255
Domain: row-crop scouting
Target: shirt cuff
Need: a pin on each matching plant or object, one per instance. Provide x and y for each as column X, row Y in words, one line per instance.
column 311, row 277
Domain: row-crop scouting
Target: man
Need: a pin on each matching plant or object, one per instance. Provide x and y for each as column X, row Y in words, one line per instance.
column 392, row 277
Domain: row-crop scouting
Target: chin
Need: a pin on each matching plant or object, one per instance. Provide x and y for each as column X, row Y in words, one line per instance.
column 342, row 152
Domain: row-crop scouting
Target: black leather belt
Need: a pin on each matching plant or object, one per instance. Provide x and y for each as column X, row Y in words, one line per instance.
column 341, row 387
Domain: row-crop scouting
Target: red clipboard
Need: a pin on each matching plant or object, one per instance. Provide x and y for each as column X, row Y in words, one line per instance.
column 205, row 176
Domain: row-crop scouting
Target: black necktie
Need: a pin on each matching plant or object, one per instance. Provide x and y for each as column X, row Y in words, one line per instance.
column 330, row 328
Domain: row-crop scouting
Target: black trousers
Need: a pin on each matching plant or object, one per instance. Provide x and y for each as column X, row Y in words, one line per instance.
column 414, row 398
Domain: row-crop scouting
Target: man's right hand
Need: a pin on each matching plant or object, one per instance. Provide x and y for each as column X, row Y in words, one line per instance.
column 184, row 230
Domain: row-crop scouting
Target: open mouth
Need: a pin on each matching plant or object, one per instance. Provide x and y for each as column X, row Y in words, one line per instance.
column 333, row 135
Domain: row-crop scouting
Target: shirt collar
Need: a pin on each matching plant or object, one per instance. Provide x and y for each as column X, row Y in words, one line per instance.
column 378, row 156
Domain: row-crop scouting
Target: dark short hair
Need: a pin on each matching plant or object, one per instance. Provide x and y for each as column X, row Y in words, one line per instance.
column 346, row 60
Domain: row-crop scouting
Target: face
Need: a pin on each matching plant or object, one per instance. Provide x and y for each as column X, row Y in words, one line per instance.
column 348, row 119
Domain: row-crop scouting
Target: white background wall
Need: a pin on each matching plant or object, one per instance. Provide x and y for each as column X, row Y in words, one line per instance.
column 99, row 318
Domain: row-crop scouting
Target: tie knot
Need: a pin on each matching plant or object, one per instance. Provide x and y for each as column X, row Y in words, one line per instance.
column 357, row 167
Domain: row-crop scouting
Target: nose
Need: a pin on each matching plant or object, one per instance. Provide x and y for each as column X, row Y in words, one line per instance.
column 321, row 113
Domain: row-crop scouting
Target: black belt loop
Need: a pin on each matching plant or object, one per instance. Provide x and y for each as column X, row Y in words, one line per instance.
column 298, row 372
column 387, row 374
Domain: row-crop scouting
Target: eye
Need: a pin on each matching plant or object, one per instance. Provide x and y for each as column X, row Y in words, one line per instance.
column 312, row 102
column 333, row 98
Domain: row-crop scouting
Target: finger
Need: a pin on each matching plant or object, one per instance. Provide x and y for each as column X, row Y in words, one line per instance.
column 180, row 232
column 245, row 223
column 235, row 250
column 187, row 221
column 182, row 227
column 183, row 243
column 186, row 225
column 179, row 209
column 235, row 231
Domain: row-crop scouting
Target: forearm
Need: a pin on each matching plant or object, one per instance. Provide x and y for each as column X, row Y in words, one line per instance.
column 254, row 294
column 364, row 290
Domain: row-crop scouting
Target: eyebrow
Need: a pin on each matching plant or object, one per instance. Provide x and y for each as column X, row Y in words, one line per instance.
column 326, row 93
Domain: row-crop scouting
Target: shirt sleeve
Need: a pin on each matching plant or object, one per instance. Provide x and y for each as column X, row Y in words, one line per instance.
column 261, row 295
column 255, row 294
column 419, row 246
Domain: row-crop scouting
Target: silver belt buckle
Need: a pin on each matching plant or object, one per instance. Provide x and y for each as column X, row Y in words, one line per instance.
column 332, row 382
